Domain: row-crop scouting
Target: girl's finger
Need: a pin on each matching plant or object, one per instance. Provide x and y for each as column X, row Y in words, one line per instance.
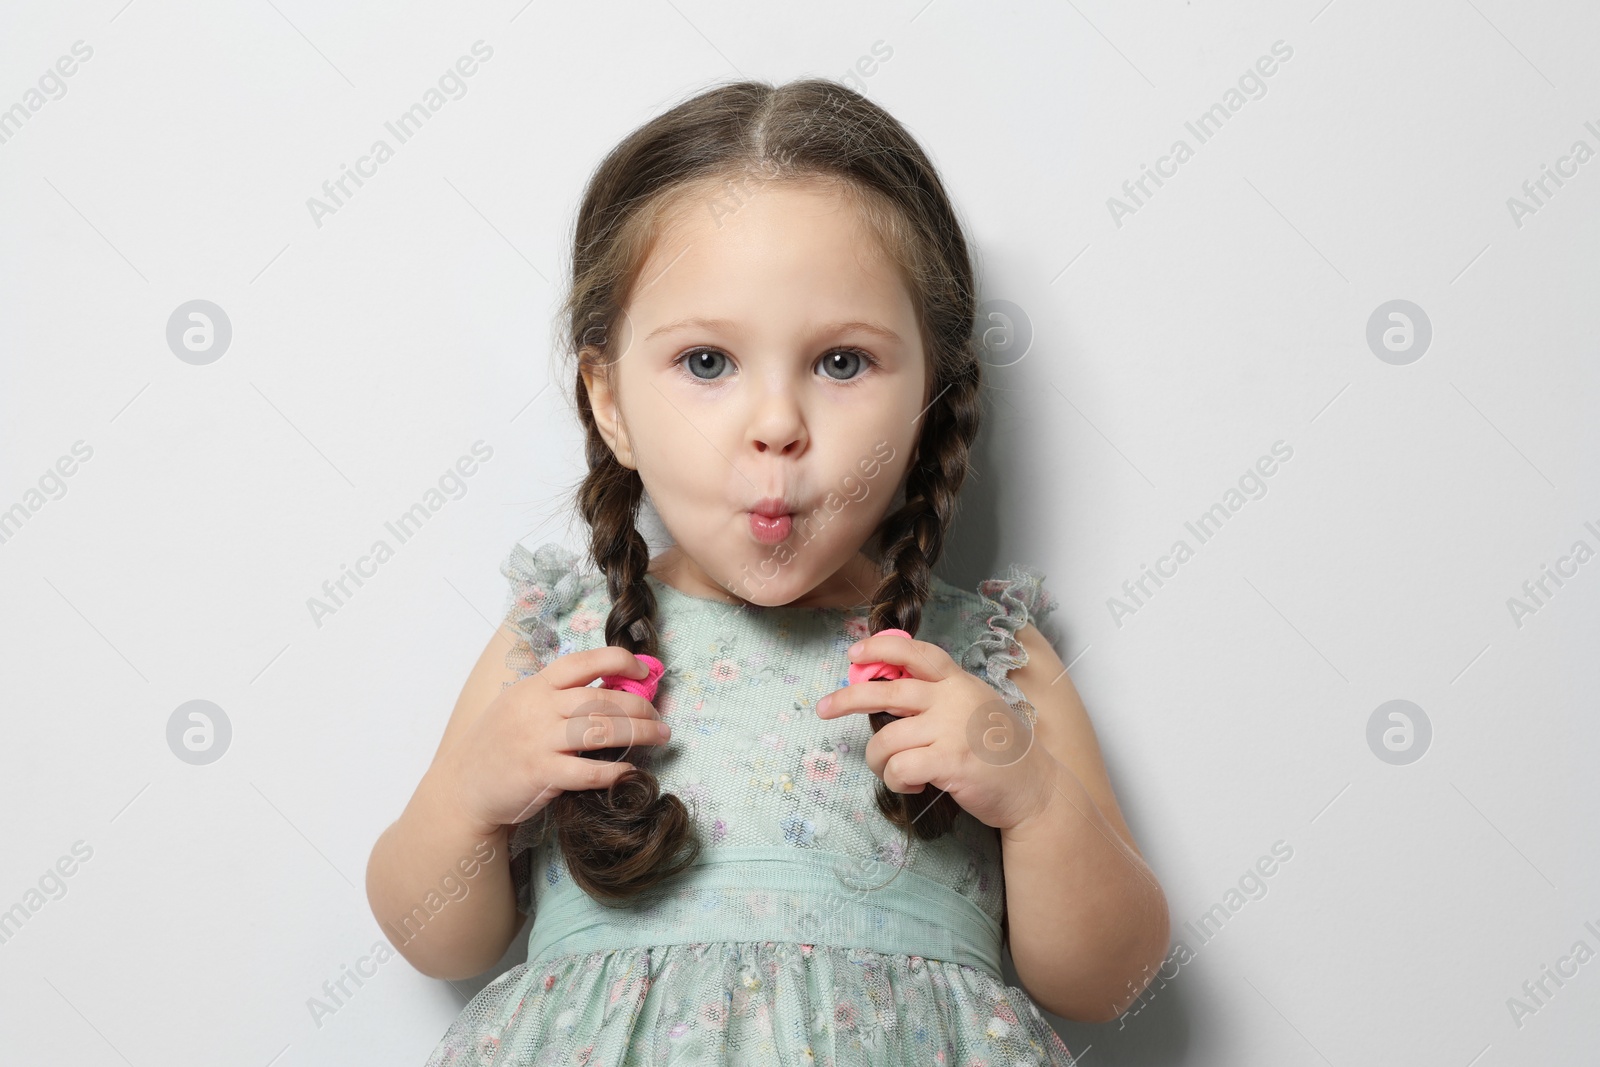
column 572, row 773
column 910, row 770
column 585, row 701
column 897, row 696
column 913, row 731
column 580, row 668
column 605, row 729
column 919, row 659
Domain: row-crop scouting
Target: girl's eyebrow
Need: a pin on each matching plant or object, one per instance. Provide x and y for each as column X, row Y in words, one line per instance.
column 724, row 324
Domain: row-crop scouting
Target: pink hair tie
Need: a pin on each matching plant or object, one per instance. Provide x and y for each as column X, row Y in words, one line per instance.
column 878, row 671
column 645, row 687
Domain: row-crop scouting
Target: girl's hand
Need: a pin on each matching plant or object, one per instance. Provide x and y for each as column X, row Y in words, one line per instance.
column 953, row 731
column 527, row 746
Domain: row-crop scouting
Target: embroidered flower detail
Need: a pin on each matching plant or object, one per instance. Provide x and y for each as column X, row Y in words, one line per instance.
column 724, row 670
column 844, row 1014
column 798, row 830
column 856, row 628
column 584, row 621
column 821, row 766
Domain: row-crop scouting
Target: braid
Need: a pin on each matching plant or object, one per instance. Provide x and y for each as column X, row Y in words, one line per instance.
column 913, row 539
column 611, row 507
column 621, row 841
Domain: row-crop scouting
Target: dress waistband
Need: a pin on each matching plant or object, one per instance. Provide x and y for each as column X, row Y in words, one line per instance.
column 776, row 893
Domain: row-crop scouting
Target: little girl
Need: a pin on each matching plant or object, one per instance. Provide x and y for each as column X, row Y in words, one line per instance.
column 734, row 849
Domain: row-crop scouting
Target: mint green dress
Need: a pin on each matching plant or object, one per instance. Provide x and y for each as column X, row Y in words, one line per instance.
column 808, row 932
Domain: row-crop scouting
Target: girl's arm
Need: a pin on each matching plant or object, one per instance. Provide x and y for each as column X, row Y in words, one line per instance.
column 439, row 885
column 1088, row 920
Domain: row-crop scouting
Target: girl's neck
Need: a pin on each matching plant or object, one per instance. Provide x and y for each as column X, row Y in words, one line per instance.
column 849, row 587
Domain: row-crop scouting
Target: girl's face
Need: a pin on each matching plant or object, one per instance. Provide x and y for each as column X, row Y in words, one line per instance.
column 771, row 360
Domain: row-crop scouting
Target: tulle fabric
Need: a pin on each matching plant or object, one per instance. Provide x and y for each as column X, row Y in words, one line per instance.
column 1010, row 603
column 749, row 1003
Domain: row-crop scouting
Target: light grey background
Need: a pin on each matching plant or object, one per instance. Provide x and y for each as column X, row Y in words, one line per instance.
column 1229, row 311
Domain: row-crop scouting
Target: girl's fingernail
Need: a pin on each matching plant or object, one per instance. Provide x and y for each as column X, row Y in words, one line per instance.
column 822, row 705
column 855, row 649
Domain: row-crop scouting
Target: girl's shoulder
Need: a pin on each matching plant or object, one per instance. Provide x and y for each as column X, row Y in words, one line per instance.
column 979, row 627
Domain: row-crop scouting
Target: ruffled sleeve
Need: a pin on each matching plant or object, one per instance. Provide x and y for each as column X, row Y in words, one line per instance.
column 1009, row 604
column 546, row 585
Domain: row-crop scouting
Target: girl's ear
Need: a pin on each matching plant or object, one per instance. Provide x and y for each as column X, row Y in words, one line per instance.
column 607, row 415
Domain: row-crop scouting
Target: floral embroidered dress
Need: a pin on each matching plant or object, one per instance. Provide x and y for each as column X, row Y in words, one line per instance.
column 807, row 932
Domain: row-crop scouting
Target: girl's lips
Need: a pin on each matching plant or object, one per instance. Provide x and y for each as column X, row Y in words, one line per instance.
column 770, row 531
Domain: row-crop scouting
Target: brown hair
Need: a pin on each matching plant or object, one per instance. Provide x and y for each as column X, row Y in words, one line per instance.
column 621, row 841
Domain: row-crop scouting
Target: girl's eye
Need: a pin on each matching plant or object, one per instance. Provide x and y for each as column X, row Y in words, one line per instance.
column 841, row 365
column 696, row 359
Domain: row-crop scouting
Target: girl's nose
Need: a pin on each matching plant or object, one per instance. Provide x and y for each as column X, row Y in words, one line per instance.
column 783, row 445
column 778, row 426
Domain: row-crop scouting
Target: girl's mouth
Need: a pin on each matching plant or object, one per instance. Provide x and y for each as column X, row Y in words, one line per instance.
column 770, row 531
